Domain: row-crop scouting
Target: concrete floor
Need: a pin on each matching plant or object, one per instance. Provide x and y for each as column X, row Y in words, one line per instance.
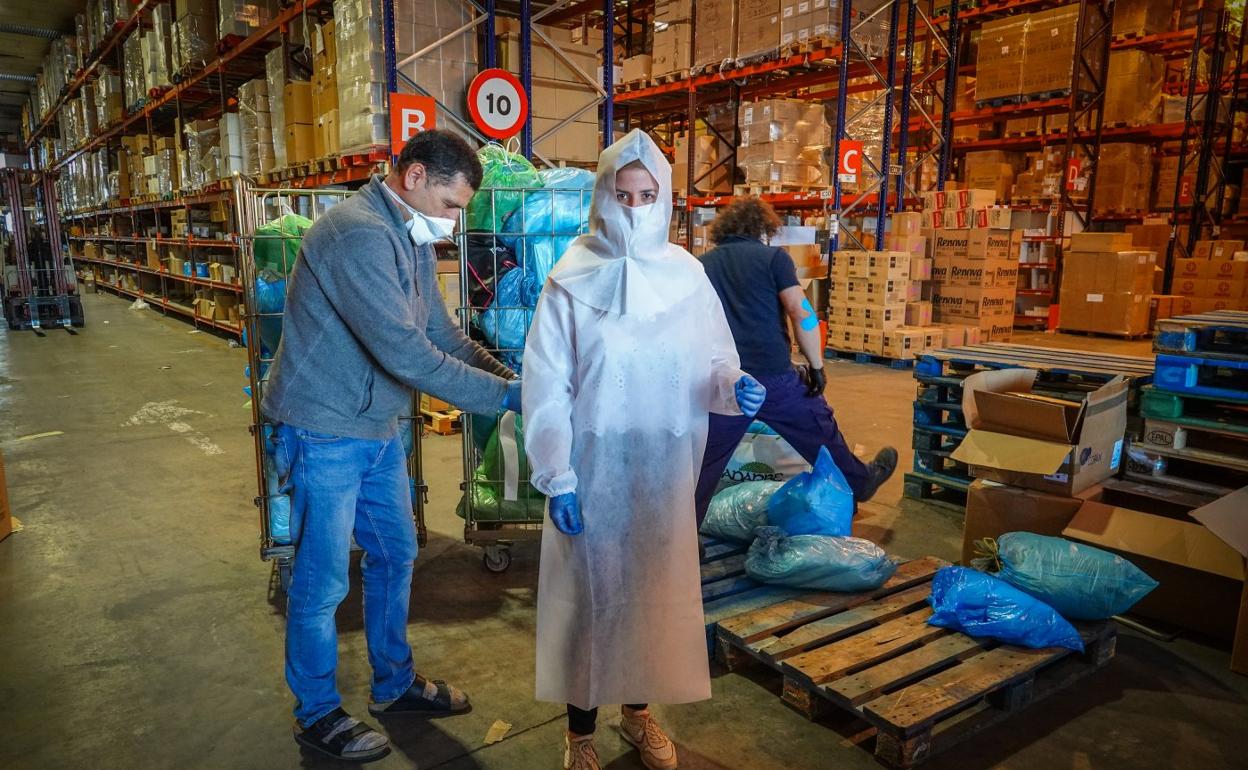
column 139, row 628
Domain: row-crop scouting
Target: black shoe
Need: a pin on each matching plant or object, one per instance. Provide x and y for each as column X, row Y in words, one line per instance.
column 342, row 737
column 878, row 471
column 425, row 698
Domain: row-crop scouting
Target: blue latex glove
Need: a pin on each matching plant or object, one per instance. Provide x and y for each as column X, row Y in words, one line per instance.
column 565, row 512
column 511, row 399
column 750, row 395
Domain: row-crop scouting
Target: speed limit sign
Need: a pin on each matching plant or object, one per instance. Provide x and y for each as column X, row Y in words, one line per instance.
column 497, row 103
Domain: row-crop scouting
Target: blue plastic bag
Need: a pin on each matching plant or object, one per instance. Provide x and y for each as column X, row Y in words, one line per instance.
column 279, row 503
column 736, row 512
column 1079, row 581
column 271, row 302
column 817, row 502
column 505, row 323
column 818, row 561
column 977, row 604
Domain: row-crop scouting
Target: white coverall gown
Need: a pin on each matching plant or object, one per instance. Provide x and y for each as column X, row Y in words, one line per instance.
column 628, row 353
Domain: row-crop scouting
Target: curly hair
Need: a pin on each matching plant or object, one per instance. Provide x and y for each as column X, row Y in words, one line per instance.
column 746, row 217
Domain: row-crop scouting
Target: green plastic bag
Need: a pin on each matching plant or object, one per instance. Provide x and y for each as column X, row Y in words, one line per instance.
column 277, row 243
column 504, row 468
column 502, row 169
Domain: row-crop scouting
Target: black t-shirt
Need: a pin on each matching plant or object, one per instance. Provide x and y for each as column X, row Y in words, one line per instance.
column 748, row 276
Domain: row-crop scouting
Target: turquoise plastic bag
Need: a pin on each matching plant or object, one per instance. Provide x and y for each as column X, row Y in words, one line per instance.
column 817, row 502
column 736, row 512
column 1079, row 581
column 818, row 561
column 977, row 604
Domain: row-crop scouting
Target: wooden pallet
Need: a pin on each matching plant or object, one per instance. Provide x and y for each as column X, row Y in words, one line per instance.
column 1113, row 335
column 1213, row 446
column 1213, row 376
column 803, row 47
column 932, row 487
column 675, row 76
column 443, row 423
column 1218, row 332
column 757, row 189
column 869, row 358
column 1052, row 362
column 727, row 591
column 873, row 654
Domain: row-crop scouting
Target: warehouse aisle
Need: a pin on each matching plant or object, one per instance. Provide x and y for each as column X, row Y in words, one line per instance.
column 138, row 627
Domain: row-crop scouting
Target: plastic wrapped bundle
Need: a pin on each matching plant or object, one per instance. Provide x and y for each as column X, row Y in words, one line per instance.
column 277, row 243
column 967, row 600
column 363, row 120
column 202, row 137
column 133, row 71
column 736, row 512
column 818, row 502
column 243, row 17
column 818, row 561
column 194, row 42
column 1079, row 581
column 270, row 304
column 488, row 210
column 500, row 488
column 275, row 81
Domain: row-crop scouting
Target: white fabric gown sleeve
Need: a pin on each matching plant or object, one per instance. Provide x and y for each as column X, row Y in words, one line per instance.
column 725, row 363
column 548, row 374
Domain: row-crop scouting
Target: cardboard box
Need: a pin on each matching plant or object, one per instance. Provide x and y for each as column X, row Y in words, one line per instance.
column 1051, row 445
column 918, row 313
column 893, row 265
column 1217, row 249
column 637, row 68
column 904, row 343
column 300, row 142
column 1100, row 242
column 873, row 341
column 297, row 103
column 1108, row 291
column 884, row 317
column 6, row 513
column 758, row 23
column 921, row 269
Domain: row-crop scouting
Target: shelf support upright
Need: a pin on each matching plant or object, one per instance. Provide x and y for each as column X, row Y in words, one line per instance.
column 887, row 140
column 526, row 73
column 491, row 36
column 1201, row 214
column 834, row 221
column 1235, row 99
column 608, row 72
column 1193, row 79
column 906, row 96
column 950, row 99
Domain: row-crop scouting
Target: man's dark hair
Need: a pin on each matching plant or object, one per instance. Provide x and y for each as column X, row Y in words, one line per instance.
column 444, row 156
column 749, row 217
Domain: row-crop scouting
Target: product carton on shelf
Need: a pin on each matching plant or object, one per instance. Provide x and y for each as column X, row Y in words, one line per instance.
column 637, row 68
column 1140, row 18
column 716, row 42
column 242, row 18
column 1133, row 89
column 1037, row 442
column 1124, row 181
column 1107, row 291
column 758, row 24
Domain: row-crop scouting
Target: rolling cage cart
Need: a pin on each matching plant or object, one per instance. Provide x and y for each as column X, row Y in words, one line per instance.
column 272, row 222
column 501, row 273
column 36, row 283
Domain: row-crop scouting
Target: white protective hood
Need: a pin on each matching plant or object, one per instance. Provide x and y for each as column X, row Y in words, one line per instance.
column 619, row 268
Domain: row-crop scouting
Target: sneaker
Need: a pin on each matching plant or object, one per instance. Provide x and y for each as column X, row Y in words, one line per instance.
column 644, row 734
column 343, row 737
column 878, row 471
column 579, row 753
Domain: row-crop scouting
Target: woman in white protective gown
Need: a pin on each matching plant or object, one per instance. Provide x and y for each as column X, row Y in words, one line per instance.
column 628, row 354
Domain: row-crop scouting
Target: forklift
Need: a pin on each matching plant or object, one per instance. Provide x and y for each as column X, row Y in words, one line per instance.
column 37, row 287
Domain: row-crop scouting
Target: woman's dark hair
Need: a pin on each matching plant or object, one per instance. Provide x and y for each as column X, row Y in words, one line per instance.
column 444, row 156
column 747, row 217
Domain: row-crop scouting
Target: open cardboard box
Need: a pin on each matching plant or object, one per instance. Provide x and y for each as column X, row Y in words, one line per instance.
column 1198, row 558
column 1046, row 444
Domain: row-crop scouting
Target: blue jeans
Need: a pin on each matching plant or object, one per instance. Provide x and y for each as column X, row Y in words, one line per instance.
column 339, row 487
column 806, row 422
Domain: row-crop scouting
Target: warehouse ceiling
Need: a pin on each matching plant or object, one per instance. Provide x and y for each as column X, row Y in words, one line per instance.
column 22, row 54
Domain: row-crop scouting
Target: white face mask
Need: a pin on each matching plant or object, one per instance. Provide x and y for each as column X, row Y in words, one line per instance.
column 423, row 230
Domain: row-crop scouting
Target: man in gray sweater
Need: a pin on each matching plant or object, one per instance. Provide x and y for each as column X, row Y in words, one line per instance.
column 364, row 326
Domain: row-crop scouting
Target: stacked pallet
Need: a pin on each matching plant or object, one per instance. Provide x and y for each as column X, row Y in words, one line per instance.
column 1195, row 431
column 939, row 423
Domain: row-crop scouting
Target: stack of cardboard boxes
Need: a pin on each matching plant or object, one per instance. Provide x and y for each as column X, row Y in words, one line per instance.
column 194, row 34
column 256, row 124
column 758, row 28
column 363, row 103
column 1028, row 55
column 1133, row 89
column 242, row 18
column 783, row 143
column 325, row 93
column 1124, row 178
column 275, row 84
column 1106, row 285
column 446, row 71
column 157, row 50
column 300, row 117
column 708, row 177
column 560, row 90
column 1215, row 278
column 975, row 258
column 673, row 36
column 719, row 19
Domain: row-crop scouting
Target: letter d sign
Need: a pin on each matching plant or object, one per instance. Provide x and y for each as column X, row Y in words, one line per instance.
column 409, row 115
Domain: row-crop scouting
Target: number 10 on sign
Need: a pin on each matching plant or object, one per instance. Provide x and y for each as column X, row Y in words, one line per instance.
column 498, row 104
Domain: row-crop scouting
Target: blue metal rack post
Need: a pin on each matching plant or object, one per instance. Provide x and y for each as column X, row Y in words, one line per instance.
column 886, row 144
column 526, row 73
column 608, row 71
column 491, row 36
column 951, row 99
column 834, row 218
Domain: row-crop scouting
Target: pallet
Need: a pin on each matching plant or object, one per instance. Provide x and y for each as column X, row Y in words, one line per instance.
column 1219, row 332
column 1109, row 335
column 921, row 688
column 1054, row 362
column 443, row 423
column 1124, row 214
column 1186, row 475
column 869, row 358
column 757, row 189
column 727, row 591
column 803, row 47
column 935, row 488
column 1194, row 411
column 1215, row 377
column 1000, row 101
column 933, row 450
column 1225, row 449
column 632, row 85
column 675, row 76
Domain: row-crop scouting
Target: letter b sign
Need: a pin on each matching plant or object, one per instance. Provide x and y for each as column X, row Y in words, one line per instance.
column 409, row 115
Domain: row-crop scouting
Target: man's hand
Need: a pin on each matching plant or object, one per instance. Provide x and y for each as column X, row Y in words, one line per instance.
column 565, row 513
column 511, row 399
column 750, row 395
column 815, row 380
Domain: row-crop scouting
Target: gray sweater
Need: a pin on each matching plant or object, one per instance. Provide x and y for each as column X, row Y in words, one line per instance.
column 365, row 325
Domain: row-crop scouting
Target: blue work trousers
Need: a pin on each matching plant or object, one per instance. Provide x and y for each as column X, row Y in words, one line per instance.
column 806, row 422
column 341, row 487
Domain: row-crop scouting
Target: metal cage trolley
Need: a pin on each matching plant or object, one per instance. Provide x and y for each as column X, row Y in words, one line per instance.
column 272, row 223
column 37, row 286
column 501, row 273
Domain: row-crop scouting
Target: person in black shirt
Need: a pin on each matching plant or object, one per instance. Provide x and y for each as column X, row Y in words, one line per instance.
column 758, row 287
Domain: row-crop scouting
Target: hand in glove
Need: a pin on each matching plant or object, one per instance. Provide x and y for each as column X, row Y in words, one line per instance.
column 565, row 512
column 511, row 399
column 750, row 395
column 815, row 380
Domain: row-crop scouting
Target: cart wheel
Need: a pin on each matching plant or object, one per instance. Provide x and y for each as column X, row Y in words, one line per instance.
column 284, row 569
column 497, row 559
